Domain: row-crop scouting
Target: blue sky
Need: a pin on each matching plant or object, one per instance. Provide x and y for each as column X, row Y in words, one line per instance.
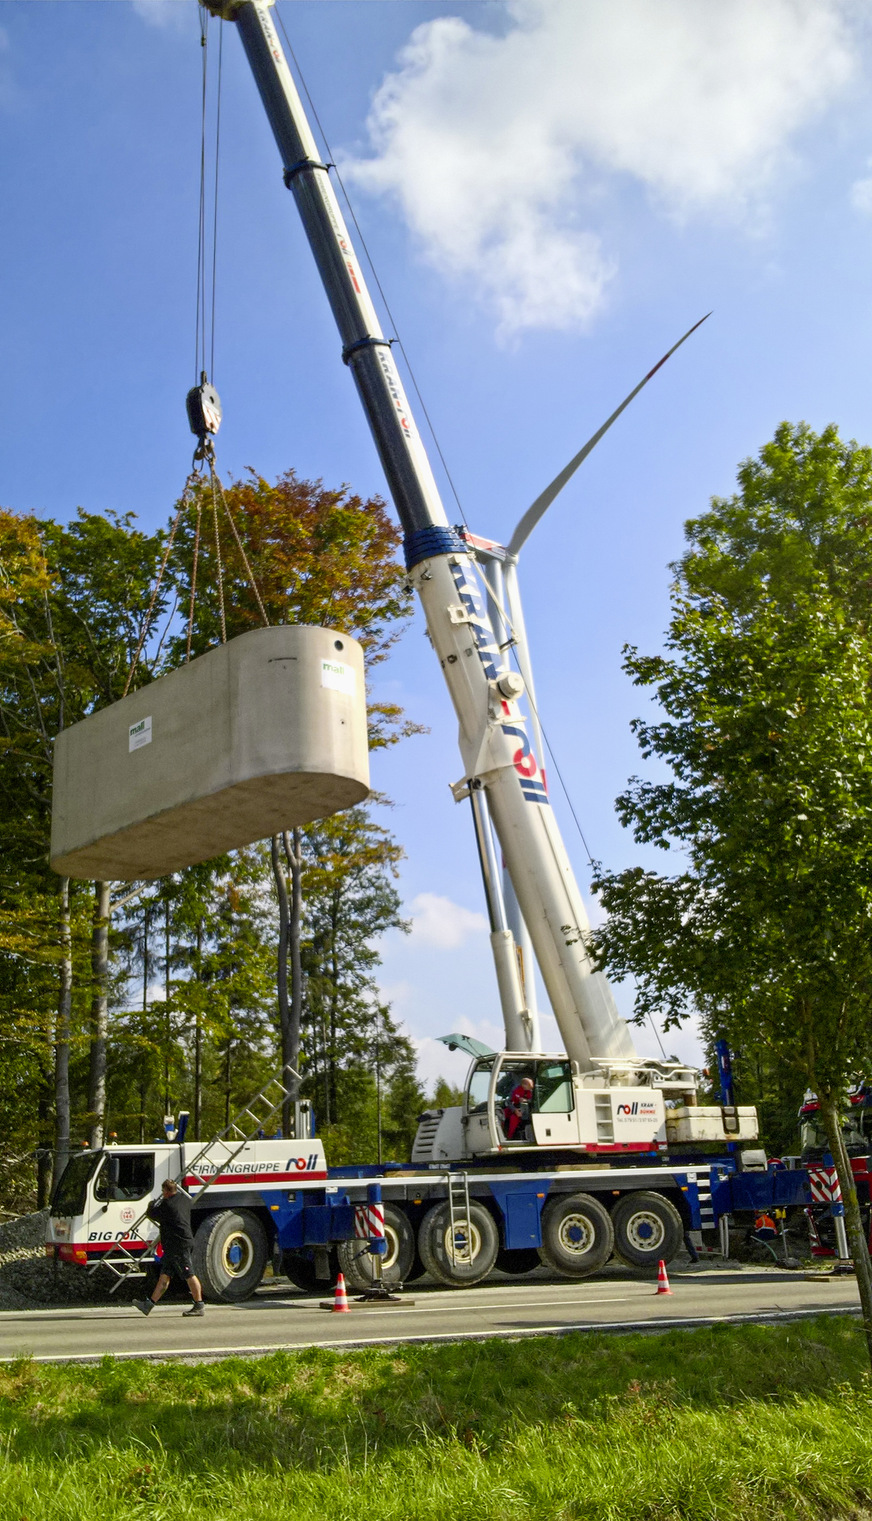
column 552, row 191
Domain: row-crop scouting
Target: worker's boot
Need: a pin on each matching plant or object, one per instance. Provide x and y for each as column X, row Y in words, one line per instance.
column 197, row 1308
column 145, row 1306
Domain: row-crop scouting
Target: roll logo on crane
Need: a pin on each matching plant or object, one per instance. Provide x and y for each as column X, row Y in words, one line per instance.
column 523, row 758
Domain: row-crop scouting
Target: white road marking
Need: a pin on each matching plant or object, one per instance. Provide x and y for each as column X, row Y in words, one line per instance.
column 521, row 1333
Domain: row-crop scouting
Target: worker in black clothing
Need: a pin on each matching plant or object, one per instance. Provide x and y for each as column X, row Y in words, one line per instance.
column 172, row 1214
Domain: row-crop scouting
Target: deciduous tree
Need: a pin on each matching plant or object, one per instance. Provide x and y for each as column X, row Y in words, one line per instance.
column 765, row 687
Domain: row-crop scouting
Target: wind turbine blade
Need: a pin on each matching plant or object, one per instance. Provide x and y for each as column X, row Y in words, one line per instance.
column 542, row 503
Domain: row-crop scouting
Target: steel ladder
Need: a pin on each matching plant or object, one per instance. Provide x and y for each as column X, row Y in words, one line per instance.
column 258, row 1112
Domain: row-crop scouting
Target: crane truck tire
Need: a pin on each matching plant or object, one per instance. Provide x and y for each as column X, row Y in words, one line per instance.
column 302, row 1270
column 356, row 1262
column 647, row 1227
column 230, row 1254
column 577, row 1235
column 469, row 1256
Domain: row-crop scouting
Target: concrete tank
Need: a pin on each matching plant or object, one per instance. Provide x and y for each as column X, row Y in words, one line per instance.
column 260, row 734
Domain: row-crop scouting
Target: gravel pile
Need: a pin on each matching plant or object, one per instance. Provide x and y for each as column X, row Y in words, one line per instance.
column 29, row 1281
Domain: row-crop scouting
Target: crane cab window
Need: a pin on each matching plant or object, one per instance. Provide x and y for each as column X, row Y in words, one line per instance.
column 124, row 1177
column 69, row 1195
column 553, row 1092
column 479, row 1083
column 552, row 1085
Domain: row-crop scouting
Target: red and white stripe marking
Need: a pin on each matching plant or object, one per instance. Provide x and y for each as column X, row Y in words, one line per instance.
column 824, row 1182
column 369, row 1222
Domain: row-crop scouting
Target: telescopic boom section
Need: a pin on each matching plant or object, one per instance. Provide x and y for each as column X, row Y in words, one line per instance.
column 497, row 754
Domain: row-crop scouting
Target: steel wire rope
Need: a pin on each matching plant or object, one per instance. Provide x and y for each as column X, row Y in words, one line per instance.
column 239, row 545
column 204, row 331
column 215, row 198
column 157, row 585
column 218, row 559
column 200, row 326
column 194, row 564
column 549, row 747
column 374, row 272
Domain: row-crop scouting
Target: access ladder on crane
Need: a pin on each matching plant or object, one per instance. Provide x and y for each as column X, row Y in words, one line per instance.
column 230, row 1141
column 460, row 1233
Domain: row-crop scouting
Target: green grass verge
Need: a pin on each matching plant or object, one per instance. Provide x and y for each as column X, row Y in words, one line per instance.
column 725, row 1422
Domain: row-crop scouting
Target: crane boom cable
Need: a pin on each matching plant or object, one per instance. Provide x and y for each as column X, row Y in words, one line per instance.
column 218, row 564
column 215, row 198
column 239, row 545
column 207, row 256
column 195, row 562
column 369, row 259
column 200, row 322
column 550, row 748
column 157, row 585
column 529, row 696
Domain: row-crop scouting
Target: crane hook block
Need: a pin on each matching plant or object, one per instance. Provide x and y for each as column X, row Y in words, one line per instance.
column 204, row 408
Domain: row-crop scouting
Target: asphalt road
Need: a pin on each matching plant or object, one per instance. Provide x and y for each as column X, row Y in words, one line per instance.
column 278, row 1319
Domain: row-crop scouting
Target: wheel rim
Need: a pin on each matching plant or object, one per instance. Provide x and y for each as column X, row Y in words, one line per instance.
column 463, row 1244
column 645, row 1231
column 392, row 1242
column 237, row 1255
column 576, row 1234
column 388, row 1261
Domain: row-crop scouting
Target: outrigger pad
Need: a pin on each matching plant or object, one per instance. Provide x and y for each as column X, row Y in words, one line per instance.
column 261, row 734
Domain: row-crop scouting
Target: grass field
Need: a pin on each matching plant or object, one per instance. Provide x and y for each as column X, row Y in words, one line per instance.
column 729, row 1422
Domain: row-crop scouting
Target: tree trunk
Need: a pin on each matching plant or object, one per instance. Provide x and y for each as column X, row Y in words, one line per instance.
column 167, row 1015
column 334, row 1006
column 282, row 968
column 62, row 1034
column 43, row 1148
column 143, row 1070
column 198, row 1042
column 99, row 1013
column 294, row 854
column 859, row 1246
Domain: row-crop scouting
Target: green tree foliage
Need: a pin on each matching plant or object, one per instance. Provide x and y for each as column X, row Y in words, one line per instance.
column 71, row 602
column 314, row 555
column 190, row 981
column 445, row 1095
column 765, row 692
column 349, row 866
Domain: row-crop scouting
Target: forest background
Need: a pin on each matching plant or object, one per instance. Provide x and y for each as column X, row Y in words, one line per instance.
column 123, row 1002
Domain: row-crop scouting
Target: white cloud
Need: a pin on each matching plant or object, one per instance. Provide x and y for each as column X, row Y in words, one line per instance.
column 439, row 922
column 497, row 148
column 861, row 195
column 163, row 13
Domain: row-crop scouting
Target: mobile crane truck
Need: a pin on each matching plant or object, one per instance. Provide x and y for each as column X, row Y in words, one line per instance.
column 615, row 1152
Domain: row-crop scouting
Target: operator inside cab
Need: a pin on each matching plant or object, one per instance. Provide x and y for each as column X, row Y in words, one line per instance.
column 516, row 1110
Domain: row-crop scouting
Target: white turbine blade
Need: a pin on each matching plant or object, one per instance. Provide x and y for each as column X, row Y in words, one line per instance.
column 542, row 503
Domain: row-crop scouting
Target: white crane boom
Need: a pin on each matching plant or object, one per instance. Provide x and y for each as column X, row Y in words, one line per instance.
column 498, row 757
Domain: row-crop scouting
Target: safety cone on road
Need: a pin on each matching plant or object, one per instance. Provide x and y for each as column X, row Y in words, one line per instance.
column 340, row 1298
column 662, row 1280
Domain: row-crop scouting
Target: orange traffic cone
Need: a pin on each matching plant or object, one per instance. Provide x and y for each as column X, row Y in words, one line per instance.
column 340, row 1298
column 662, row 1280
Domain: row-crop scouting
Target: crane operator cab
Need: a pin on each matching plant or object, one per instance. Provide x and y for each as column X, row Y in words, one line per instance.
column 520, row 1101
column 516, row 1101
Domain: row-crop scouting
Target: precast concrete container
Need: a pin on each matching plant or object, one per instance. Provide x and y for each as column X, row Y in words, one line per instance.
column 261, row 734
